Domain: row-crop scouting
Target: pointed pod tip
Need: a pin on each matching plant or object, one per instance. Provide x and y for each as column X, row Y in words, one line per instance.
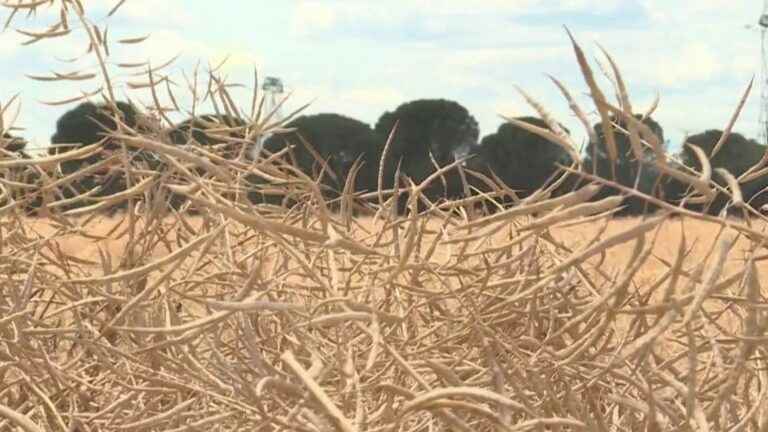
column 570, row 35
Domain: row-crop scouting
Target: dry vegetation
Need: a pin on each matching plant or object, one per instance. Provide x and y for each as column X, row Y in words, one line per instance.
column 255, row 327
column 547, row 315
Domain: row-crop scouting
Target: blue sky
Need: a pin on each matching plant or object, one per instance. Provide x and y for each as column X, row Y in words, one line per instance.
column 361, row 58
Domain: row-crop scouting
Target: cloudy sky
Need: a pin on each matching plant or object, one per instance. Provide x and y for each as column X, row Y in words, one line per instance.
column 361, row 58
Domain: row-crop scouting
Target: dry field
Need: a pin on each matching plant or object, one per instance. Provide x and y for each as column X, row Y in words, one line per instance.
column 701, row 237
column 397, row 324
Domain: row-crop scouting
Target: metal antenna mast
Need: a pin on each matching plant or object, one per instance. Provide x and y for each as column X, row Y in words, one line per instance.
column 273, row 89
column 763, row 119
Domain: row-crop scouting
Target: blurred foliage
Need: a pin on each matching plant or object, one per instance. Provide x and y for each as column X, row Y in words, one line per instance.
column 737, row 155
column 629, row 171
column 523, row 160
column 87, row 124
column 429, row 133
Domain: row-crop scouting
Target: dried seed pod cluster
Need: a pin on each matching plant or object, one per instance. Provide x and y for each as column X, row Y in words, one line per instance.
column 354, row 317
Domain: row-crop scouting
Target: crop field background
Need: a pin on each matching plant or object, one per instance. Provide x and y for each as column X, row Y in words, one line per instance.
column 401, row 323
column 699, row 235
column 547, row 313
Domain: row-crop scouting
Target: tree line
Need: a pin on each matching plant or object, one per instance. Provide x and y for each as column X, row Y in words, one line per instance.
column 414, row 140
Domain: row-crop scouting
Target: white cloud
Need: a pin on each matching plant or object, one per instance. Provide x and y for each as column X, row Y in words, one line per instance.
column 694, row 62
column 677, row 66
column 364, row 103
column 462, row 7
column 372, row 96
column 10, row 43
column 165, row 12
column 675, row 12
column 311, row 16
column 498, row 56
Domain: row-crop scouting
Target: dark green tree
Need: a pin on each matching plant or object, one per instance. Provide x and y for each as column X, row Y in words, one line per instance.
column 14, row 147
column 339, row 141
column 89, row 123
column 223, row 131
column 12, row 143
column 209, row 130
column 629, row 171
column 523, row 160
column 736, row 155
column 438, row 127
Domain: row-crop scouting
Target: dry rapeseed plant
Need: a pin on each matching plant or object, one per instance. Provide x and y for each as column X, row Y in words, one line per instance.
column 267, row 318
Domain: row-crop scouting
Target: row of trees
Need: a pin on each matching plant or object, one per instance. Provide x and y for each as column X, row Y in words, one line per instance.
column 414, row 140
column 430, row 133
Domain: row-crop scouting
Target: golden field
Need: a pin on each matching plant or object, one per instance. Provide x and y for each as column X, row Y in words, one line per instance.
column 700, row 237
column 408, row 323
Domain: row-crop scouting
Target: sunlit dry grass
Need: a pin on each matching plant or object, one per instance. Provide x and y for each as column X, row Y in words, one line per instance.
column 700, row 235
column 373, row 331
